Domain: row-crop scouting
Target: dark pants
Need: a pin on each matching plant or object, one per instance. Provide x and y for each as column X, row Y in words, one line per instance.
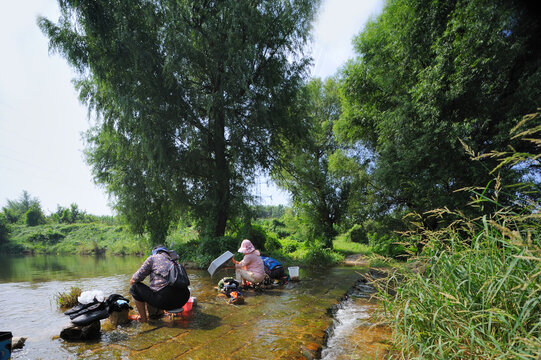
column 168, row 298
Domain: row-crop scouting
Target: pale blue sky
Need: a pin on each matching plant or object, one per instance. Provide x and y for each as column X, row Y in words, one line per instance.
column 41, row 119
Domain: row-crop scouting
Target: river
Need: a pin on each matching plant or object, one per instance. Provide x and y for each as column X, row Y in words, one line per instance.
column 287, row 322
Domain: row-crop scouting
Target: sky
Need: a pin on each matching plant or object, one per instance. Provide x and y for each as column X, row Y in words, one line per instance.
column 42, row 120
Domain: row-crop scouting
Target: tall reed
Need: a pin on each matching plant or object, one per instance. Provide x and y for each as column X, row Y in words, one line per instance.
column 480, row 297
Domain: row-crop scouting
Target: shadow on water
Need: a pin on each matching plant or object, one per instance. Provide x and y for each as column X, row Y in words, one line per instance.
column 281, row 323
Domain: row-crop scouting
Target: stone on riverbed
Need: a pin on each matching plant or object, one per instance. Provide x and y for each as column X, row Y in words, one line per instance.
column 17, row 343
column 78, row 333
column 119, row 317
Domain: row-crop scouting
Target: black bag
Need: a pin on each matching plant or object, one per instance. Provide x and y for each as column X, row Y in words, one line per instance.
column 178, row 277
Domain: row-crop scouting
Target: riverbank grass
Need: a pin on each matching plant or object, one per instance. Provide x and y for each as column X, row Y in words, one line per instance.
column 480, row 297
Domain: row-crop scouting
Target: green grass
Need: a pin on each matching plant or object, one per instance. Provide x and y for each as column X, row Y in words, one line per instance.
column 79, row 238
column 480, row 297
column 345, row 247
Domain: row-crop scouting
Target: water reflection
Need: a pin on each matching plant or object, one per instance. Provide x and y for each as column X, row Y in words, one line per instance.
column 43, row 268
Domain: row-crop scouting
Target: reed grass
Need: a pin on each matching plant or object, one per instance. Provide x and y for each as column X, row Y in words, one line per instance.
column 480, row 296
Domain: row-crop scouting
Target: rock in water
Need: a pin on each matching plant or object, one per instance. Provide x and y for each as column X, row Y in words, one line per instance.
column 17, row 343
column 78, row 333
column 119, row 317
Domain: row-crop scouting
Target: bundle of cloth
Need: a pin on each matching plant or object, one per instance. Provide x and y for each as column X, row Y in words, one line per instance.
column 231, row 288
column 93, row 306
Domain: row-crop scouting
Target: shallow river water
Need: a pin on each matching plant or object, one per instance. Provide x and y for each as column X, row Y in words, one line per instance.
column 287, row 322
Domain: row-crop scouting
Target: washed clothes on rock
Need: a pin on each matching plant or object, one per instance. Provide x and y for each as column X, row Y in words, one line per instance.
column 158, row 294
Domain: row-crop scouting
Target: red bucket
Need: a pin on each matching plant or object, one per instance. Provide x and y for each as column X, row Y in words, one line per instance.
column 189, row 305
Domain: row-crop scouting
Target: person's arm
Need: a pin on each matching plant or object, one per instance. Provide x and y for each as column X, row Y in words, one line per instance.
column 143, row 271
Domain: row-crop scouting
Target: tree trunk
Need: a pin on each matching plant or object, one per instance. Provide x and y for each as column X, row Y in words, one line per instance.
column 222, row 176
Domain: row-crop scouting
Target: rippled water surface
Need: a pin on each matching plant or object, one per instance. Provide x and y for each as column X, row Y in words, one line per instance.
column 286, row 322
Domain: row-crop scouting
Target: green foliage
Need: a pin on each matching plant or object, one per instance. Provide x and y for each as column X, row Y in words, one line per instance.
column 429, row 76
column 271, row 243
column 68, row 215
column 212, row 247
column 303, row 167
column 46, row 235
column 480, row 296
column 190, row 97
column 357, row 234
column 16, row 209
column 4, row 229
column 68, row 299
column 91, row 238
column 268, row 211
column 34, row 216
column 317, row 255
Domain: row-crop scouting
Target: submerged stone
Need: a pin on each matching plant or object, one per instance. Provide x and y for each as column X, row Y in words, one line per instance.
column 78, row 333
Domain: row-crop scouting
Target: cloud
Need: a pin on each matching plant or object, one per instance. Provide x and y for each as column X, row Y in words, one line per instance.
column 336, row 25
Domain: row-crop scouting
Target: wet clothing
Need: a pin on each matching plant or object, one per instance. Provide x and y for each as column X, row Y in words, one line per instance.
column 158, row 293
column 254, row 271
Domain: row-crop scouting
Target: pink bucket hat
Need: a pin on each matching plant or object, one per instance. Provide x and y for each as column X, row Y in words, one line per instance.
column 246, row 247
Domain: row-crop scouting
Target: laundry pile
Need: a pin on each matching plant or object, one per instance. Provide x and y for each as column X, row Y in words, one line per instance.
column 93, row 306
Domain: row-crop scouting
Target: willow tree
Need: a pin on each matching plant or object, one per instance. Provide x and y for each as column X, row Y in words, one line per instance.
column 188, row 97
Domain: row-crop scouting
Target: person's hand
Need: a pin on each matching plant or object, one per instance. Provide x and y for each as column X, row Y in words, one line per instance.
column 132, row 281
column 234, row 261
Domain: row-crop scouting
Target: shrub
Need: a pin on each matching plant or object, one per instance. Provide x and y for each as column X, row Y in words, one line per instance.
column 34, row 216
column 319, row 256
column 215, row 246
column 357, row 234
column 256, row 234
column 49, row 236
column 69, row 299
column 272, row 243
column 4, row 229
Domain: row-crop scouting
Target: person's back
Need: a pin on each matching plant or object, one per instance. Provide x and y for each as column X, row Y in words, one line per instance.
column 159, row 294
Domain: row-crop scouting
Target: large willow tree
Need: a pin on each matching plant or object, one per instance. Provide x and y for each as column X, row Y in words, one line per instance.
column 189, row 96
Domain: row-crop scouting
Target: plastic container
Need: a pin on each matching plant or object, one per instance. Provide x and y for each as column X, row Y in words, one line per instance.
column 293, row 273
column 5, row 345
column 219, row 262
column 190, row 304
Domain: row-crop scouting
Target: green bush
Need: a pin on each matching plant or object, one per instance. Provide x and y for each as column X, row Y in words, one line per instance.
column 319, row 256
column 212, row 247
column 357, row 234
column 48, row 236
column 256, row 234
column 289, row 246
column 4, row 229
column 272, row 243
column 34, row 216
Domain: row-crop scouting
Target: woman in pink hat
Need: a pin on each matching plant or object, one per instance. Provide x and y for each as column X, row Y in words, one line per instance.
column 251, row 267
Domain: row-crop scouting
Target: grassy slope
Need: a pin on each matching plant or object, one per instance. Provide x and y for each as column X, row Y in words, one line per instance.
column 88, row 238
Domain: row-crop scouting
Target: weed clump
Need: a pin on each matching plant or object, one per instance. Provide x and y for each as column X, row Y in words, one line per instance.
column 68, row 299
